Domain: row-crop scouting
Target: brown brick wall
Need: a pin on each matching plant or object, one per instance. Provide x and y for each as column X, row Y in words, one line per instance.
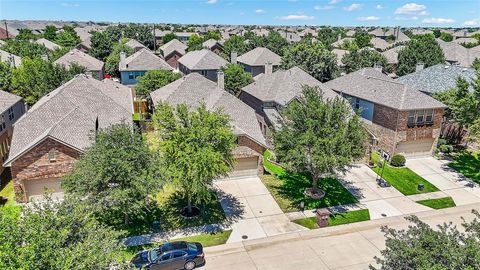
column 35, row 165
column 420, row 132
column 385, row 116
column 246, row 141
column 172, row 59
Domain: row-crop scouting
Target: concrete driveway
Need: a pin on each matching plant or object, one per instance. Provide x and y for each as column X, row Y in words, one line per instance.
column 254, row 212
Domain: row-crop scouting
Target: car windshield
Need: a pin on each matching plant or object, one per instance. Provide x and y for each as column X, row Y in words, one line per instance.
column 192, row 246
column 153, row 255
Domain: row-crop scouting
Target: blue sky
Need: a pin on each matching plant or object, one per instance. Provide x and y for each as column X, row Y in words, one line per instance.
column 453, row 13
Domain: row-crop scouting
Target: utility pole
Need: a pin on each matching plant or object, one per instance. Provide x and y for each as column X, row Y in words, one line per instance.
column 6, row 28
column 154, row 40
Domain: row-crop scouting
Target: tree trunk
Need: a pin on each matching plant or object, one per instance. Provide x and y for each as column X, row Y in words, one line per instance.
column 314, row 181
column 125, row 218
column 189, row 205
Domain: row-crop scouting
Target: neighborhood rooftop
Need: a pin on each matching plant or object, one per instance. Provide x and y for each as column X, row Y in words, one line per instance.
column 144, row 59
column 173, row 45
column 202, row 60
column 80, row 58
column 7, row 100
column 259, row 57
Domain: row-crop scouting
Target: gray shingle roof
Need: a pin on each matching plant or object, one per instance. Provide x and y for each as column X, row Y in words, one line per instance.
column 379, row 43
column 194, row 89
column 392, row 54
column 68, row 114
column 437, row 78
column 134, row 44
column 48, row 44
column 144, row 59
column 210, row 43
column 457, row 53
column 374, row 86
column 283, row 86
column 340, row 53
column 7, row 100
column 173, row 45
column 5, row 57
column 259, row 56
column 80, row 58
column 202, row 60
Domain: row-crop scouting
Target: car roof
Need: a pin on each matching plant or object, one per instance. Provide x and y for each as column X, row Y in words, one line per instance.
column 170, row 246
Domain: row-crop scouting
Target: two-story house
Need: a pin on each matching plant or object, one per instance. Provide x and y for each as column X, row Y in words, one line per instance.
column 12, row 108
column 135, row 45
column 138, row 64
column 254, row 61
column 204, row 62
column 92, row 64
column 401, row 118
column 172, row 51
column 213, row 45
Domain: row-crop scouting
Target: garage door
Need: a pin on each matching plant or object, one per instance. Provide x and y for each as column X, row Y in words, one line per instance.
column 245, row 167
column 416, row 148
column 37, row 187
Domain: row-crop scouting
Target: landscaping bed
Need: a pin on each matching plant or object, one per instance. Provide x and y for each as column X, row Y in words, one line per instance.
column 336, row 219
column 438, row 203
column 467, row 163
column 403, row 179
column 288, row 189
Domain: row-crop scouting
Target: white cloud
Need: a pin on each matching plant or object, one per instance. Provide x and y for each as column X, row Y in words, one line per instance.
column 411, row 8
column 404, row 18
column 438, row 20
column 368, row 18
column 70, row 4
column 353, row 7
column 292, row 17
column 379, row 7
column 259, row 11
column 333, row 2
column 212, row 1
column 472, row 22
column 323, row 7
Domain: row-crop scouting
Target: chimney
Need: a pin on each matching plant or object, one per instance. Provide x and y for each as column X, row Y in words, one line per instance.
column 378, row 67
column 419, row 66
column 233, row 57
column 123, row 56
column 268, row 68
column 89, row 73
column 44, row 57
column 221, row 79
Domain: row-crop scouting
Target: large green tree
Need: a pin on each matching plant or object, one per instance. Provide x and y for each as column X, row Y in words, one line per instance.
column 312, row 57
column 234, row 44
column 423, row 247
column 24, row 48
column 50, row 32
column 67, row 37
column 169, row 37
column 101, row 45
column 422, row 49
column 115, row 176
column 113, row 60
column 319, row 136
column 236, row 78
column 5, row 76
column 328, row 35
column 196, row 148
column 362, row 38
column 195, row 43
column 56, row 236
column 275, row 42
column 155, row 79
column 358, row 59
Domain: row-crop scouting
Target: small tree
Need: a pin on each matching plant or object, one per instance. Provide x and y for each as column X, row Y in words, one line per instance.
column 422, row 49
column 50, row 32
column 362, row 39
column 422, row 247
column 195, row 43
column 236, row 78
column 154, row 79
column 447, row 37
column 169, row 37
column 234, row 44
column 113, row 60
column 358, row 59
column 101, row 45
column 196, row 148
column 319, row 136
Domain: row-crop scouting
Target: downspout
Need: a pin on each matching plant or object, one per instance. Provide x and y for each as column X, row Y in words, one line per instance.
column 396, row 132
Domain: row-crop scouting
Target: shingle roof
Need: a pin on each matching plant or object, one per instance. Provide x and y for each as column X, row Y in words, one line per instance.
column 457, row 53
column 259, row 56
column 339, row 43
column 69, row 114
column 134, row 44
column 392, row 54
column 80, row 58
column 283, row 86
column 340, row 53
column 173, row 45
column 379, row 43
column 437, row 78
column 202, row 60
column 194, row 89
column 7, row 100
column 5, row 57
column 210, row 43
column 144, row 59
column 374, row 86
column 48, row 44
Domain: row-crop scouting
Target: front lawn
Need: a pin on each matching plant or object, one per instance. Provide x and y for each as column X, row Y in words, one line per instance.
column 287, row 189
column 336, row 219
column 6, row 187
column 467, row 163
column 438, row 203
column 403, row 179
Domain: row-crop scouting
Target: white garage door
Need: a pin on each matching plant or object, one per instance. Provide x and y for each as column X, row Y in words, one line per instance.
column 416, row 148
column 37, row 187
column 245, row 167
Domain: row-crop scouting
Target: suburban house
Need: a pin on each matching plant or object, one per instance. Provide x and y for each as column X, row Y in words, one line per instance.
column 392, row 55
column 456, row 54
column 138, row 64
column 11, row 59
column 255, row 60
column 92, row 64
column 204, row 62
column 213, row 45
column 172, row 51
column 51, row 46
column 340, row 53
column 437, row 78
column 272, row 91
column 380, row 44
column 4, row 34
column 135, row 45
column 53, row 134
column 12, row 108
column 195, row 89
column 184, row 36
column 395, row 33
column 400, row 118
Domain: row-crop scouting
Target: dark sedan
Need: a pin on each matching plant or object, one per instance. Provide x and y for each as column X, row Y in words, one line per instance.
column 171, row 256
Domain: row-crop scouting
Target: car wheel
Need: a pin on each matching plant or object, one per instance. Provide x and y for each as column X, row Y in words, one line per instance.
column 189, row 265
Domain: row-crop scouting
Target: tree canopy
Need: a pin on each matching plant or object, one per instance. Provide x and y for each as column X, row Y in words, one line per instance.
column 234, row 44
column 362, row 39
column 358, row 59
column 50, row 32
column 67, row 37
column 169, row 37
column 422, row 49
column 113, row 59
column 195, row 43
column 236, row 78
column 101, row 45
column 328, row 35
column 24, row 48
column 154, row 79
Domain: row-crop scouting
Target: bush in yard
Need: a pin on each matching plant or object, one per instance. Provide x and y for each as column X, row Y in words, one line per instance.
column 398, row 161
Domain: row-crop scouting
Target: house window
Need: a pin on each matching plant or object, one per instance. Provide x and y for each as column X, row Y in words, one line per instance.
column 11, row 116
column 429, row 116
column 357, row 103
column 131, row 76
column 51, row 155
column 204, row 72
column 2, row 123
column 411, row 118
column 420, row 117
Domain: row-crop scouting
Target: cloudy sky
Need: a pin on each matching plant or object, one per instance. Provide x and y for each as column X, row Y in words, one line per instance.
column 453, row 13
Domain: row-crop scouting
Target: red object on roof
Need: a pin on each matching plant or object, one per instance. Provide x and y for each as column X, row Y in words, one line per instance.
column 106, row 76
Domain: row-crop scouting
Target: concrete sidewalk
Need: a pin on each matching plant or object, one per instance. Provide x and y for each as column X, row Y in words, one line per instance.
column 350, row 246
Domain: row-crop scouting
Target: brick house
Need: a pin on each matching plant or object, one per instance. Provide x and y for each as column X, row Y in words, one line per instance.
column 400, row 118
column 12, row 108
column 204, row 62
column 194, row 89
column 138, row 64
column 213, row 45
column 254, row 61
column 172, row 51
column 4, row 34
column 55, row 132
column 92, row 64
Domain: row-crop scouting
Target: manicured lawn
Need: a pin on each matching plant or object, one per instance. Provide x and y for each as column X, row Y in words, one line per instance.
column 468, row 164
column 403, row 179
column 336, row 219
column 287, row 189
column 6, row 187
column 438, row 203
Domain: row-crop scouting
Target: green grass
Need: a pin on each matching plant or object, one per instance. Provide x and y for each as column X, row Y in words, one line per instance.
column 287, row 189
column 6, row 188
column 403, row 179
column 467, row 163
column 269, row 167
column 438, row 203
column 336, row 219
column 136, row 117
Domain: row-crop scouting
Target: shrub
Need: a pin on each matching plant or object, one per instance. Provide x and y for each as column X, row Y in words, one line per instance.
column 398, row 161
column 445, row 148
